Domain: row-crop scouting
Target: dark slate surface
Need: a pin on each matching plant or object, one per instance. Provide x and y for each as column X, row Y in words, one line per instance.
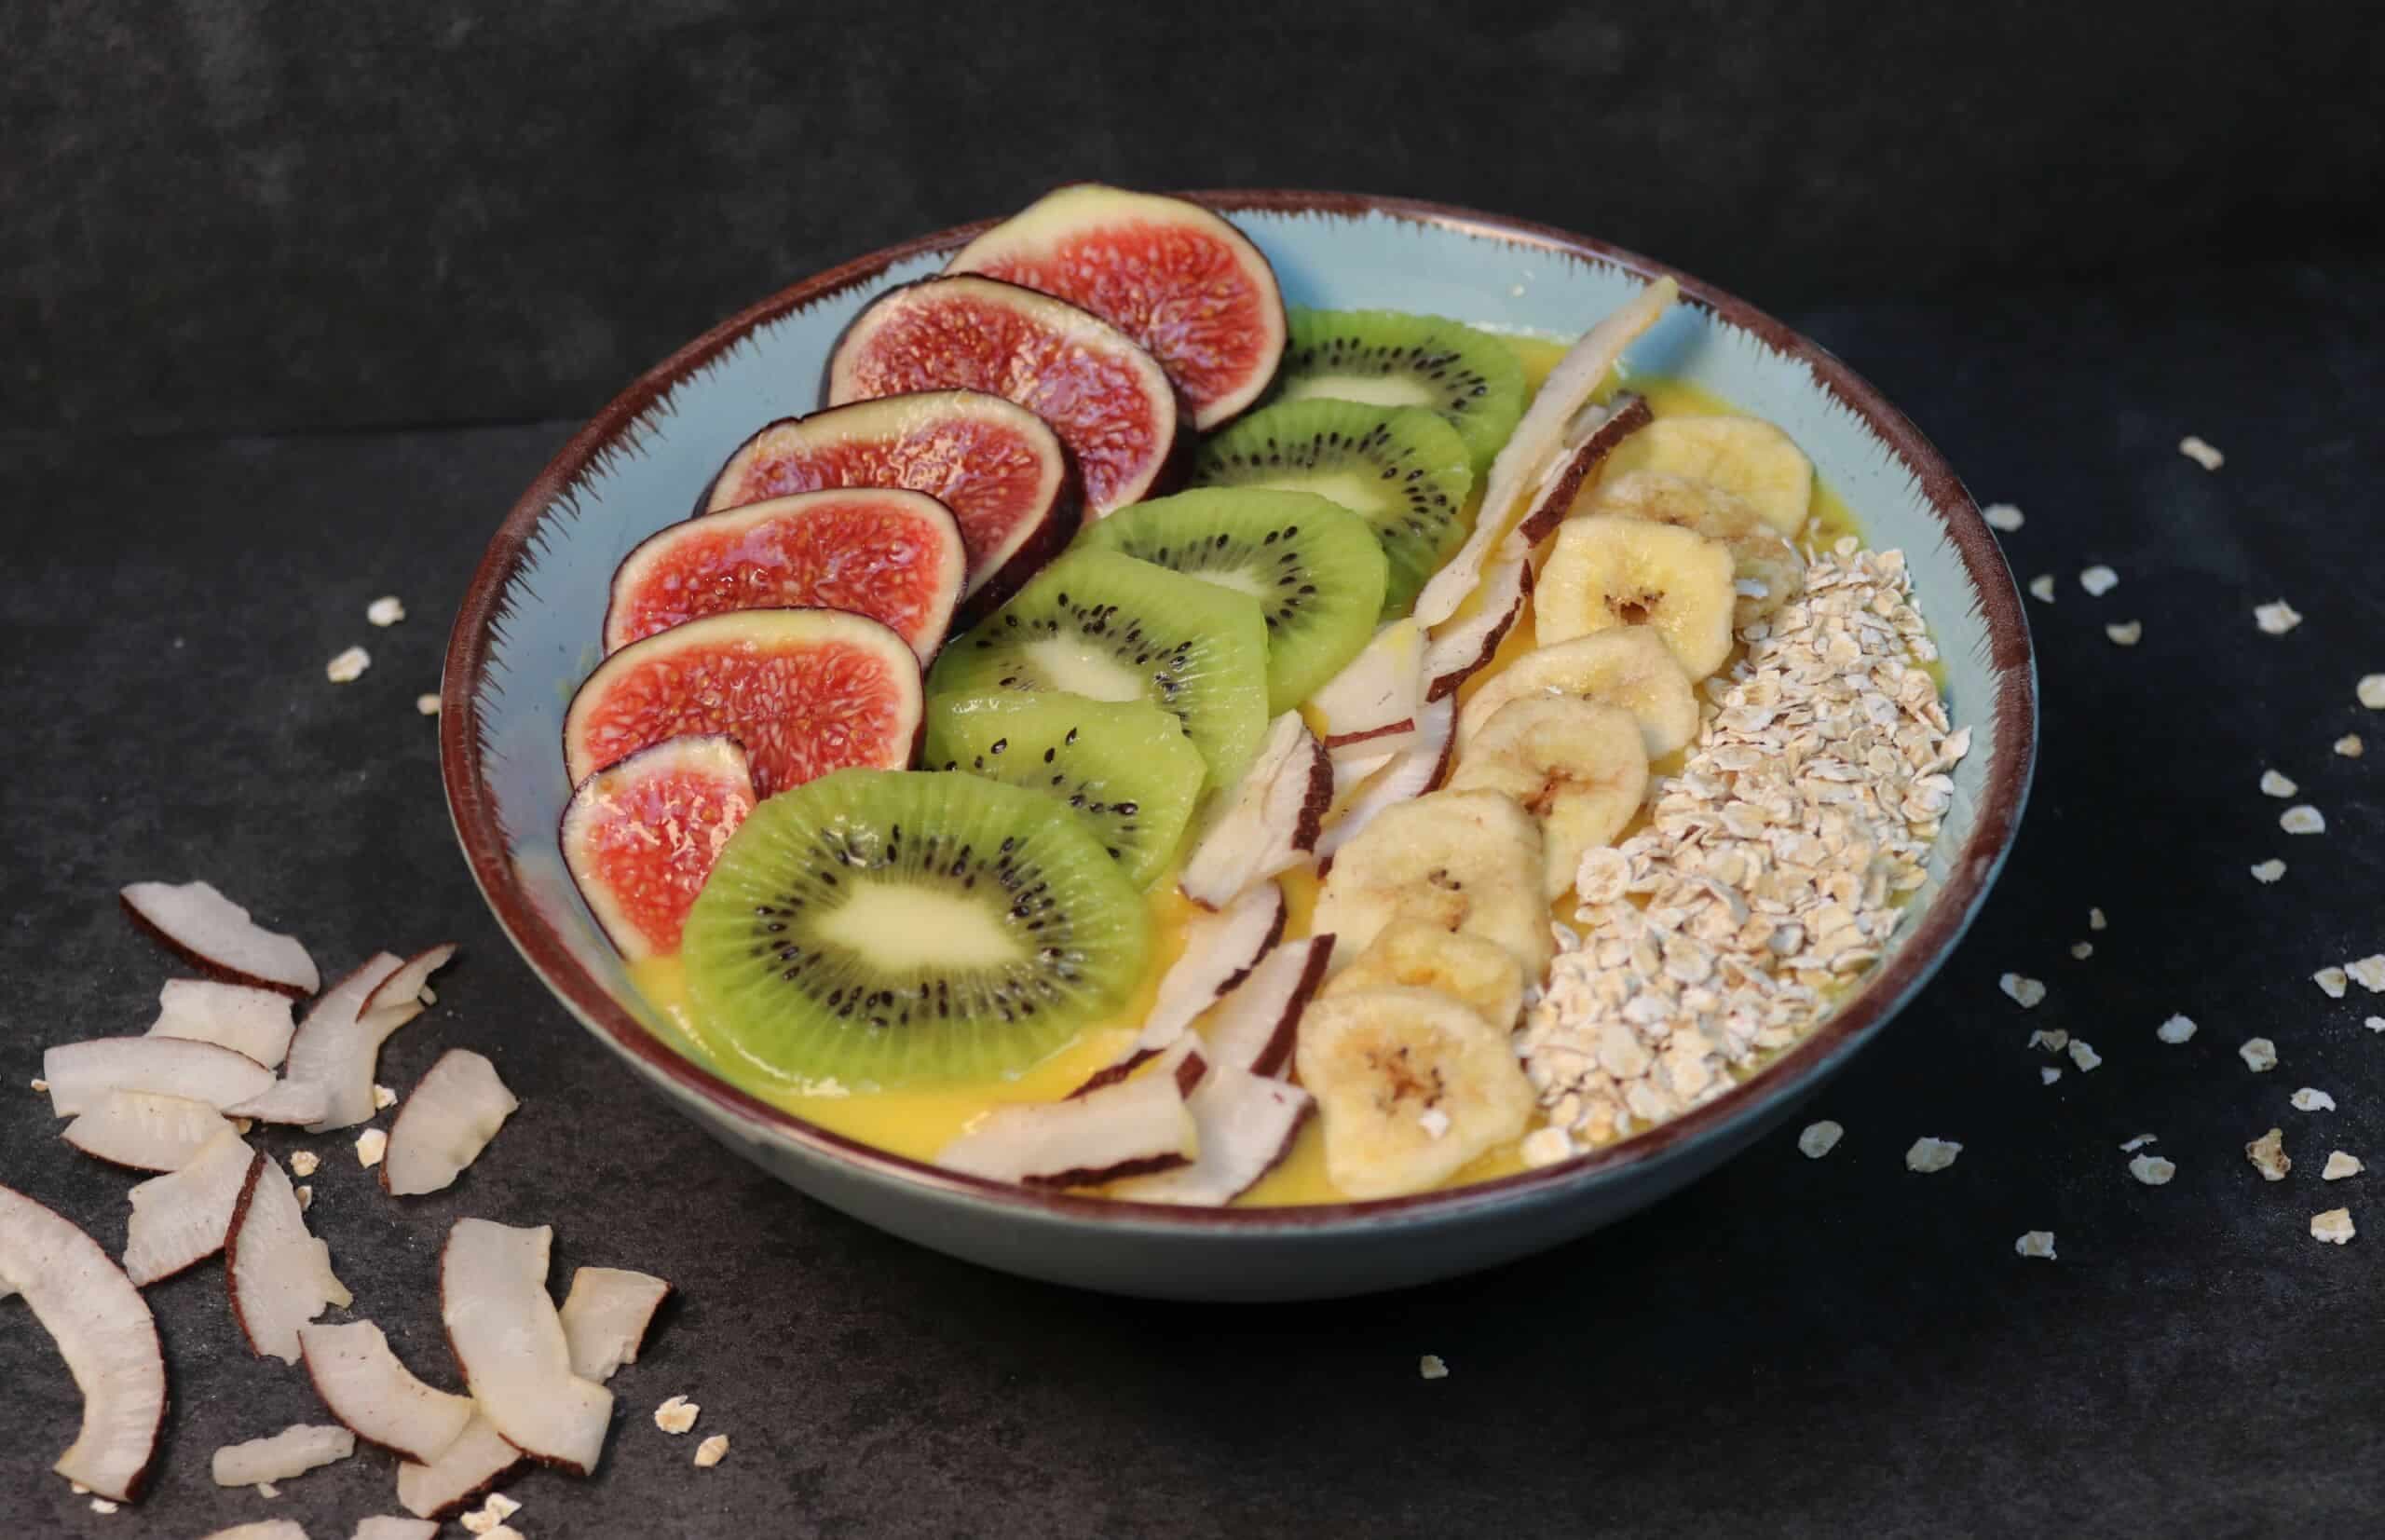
column 1790, row 1347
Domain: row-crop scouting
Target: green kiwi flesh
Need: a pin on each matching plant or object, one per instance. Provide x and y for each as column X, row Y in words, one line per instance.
column 1471, row 378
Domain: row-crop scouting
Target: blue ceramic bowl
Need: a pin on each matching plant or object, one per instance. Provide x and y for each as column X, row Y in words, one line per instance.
column 528, row 634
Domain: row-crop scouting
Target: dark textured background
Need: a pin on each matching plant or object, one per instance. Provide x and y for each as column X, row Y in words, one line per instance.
column 2035, row 233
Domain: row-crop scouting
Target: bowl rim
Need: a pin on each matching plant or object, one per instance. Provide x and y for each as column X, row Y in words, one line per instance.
column 473, row 811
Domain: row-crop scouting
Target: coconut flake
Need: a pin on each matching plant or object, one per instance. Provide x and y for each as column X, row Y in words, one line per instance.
column 339, row 1041
column 714, row 1450
column 1371, row 707
column 181, row 1218
column 510, row 1342
column 294, row 1450
column 249, row 1021
column 1270, row 824
column 81, row 1074
column 279, row 1276
column 454, row 1112
column 1131, row 1128
column 1464, row 647
column 478, row 1459
column 264, row 1528
column 200, row 922
column 383, row 1527
column 1254, row 1025
column 377, row 1398
column 102, row 1329
column 145, row 1131
column 606, row 1317
column 1218, row 950
column 1408, row 777
column 406, row 986
column 1246, row 1123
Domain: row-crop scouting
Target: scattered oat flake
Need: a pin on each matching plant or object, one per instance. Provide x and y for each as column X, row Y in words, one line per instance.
column 2082, row 950
column 38, row 1084
column 2274, row 785
column 2041, row 587
column 677, row 1415
column 2036, row 1244
column 2277, row 617
column 2302, row 818
column 2052, row 1041
column 426, row 704
column 2310, row 1100
column 266, row 1489
column 2340, row 1166
column 2349, row 746
column 2332, row 982
column 349, row 666
column 2258, row 1053
column 304, row 1162
column 2095, row 920
column 488, row 1519
column 2026, row 992
column 2125, row 633
column 2099, row 580
column 2084, row 1056
column 1430, row 1367
column 2152, row 1170
column 2375, row 1024
column 101, row 1504
column 2201, row 453
column 371, row 1145
column 2334, row 1226
column 2268, row 871
column 1819, row 1138
column 2002, row 516
column 2371, row 690
column 2048, row 1074
column 712, row 1451
column 386, row 610
column 1929, row 1154
column 2175, row 1031
column 2139, row 1142
column 2268, row 1155
column 383, row 1098
column 2368, row 973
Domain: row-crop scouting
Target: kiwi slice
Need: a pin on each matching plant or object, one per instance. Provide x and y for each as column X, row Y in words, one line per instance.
column 1103, row 625
column 1313, row 565
column 1126, row 768
column 1401, row 468
column 1389, row 359
column 886, row 928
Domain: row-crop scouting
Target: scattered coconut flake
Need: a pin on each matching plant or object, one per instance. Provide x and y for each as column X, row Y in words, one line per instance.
column 2052, row 1041
column 2099, row 580
column 1931, row 1154
column 677, row 1415
column 2310, row 1100
column 2258, row 1053
column 2095, row 920
column 349, row 666
column 2274, row 785
column 280, row 1274
column 2132, row 1146
column 2036, row 1244
column 247, row 1020
column 2302, row 818
column 2332, row 982
column 181, row 1218
column 1819, row 1138
column 1547, row 1147
column 200, row 922
column 2371, row 690
column 81, row 1075
column 712, row 1451
column 265, row 1529
column 2152, row 1170
column 145, row 1131
column 2201, row 453
column 362, row 1383
column 2083, row 1055
column 2340, row 1166
column 2268, row 871
column 1430, row 1367
column 2368, row 973
column 2277, row 617
column 294, row 1450
column 2175, row 1031
column 455, row 1111
column 2349, row 746
column 427, row 704
column 2041, row 587
column 382, row 1527
column 2269, row 1157
column 2082, row 950
column 304, row 1162
column 2125, row 633
column 508, row 1339
column 2048, row 1074
column 2003, row 516
column 606, row 1317
column 2334, row 1226
column 2026, row 992
column 478, row 1458
column 386, row 610
column 371, row 1145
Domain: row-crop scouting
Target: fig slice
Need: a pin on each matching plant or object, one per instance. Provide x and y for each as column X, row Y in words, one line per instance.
column 374, row 1396
column 1109, row 401
column 1270, row 824
column 104, row 1331
column 892, row 555
column 181, row 1218
column 1464, row 647
column 333, row 1051
column 1410, row 775
column 294, row 1450
column 509, row 1340
column 1175, row 277
column 1369, row 708
column 1129, row 1128
column 145, row 1131
column 279, row 1276
column 805, row 691
column 640, row 837
column 1253, row 1028
column 1246, row 1124
column 81, row 1074
column 478, row 1459
column 606, row 1317
column 456, row 1110
column 997, row 467
column 217, row 934
column 1590, row 442
column 242, row 1017
column 1547, row 424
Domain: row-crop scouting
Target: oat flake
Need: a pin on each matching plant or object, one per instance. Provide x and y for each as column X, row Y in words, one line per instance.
column 304, row 1162
column 2277, row 617
column 2201, row 453
column 2340, row 1166
column 2139, row 1142
column 1547, row 1147
column 2368, row 973
column 2082, row 950
column 2125, row 633
column 2048, row 1074
column 2258, row 1053
column 349, row 666
column 2175, row 1031
column 2274, row 785
column 2152, row 1170
column 2308, row 1100
column 1929, row 1154
column 2268, row 1155
column 677, row 1415
column 2026, row 992
column 2095, row 920
column 2334, row 1226
column 2084, row 1056
column 386, row 610
column 1819, row 1138
column 2099, row 580
column 2036, row 1244
column 712, row 1451
column 1430, row 1367
column 2302, row 818
column 2041, row 587
column 2268, row 871
column 2371, row 690
column 371, row 1145
column 2003, row 516
column 427, row 705
column 2349, row 746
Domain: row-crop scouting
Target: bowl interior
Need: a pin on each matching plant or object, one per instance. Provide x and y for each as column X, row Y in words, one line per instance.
column 528, row 634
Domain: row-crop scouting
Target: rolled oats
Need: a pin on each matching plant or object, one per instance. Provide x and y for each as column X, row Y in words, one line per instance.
column 2099, row 580
column 2371, row 690
column 2041, row 587
column 2302, row 818
column 2152, row 1170
column 2258, row 1053
column 2083, row 1055
column 2332, row 982
column 2125, row 633
column 2175, row 1031
column 1929, row 1154
column 2268, row 871
column 1819, row 1138
column 2036, row 1244
column 386, row 610
column 2268, row 1155
column 2334, row 1226
column 2349, row 746
column 1430, row 1367
column 2340, row 1166
column 2026, row 992
column 2201, row 453
column 2310, row 1100
column 2095, row 920
column 2368, row 973
column 349, row 666
column 2082, row 950
column 2277, row 617
column 2274, row 785
column 2003, row 516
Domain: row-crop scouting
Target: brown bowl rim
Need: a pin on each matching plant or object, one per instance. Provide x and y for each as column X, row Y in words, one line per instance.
column 1948, row 914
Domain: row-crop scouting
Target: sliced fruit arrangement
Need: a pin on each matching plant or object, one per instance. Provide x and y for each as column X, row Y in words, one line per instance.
column 892, row 555
column 1314, row 566
column 1412, row 1085
column 1124, row 767
column 1108, row 399
column 1605, row 572
column 1269, row 823
column 1578, row 767
column 1466, row 861
column 1170, row 274
column 1416, row 954
column 997, row 466
column 1387, row 358
column 1103, row 625
column 1402, row 469
column 902, row 928
column 804, row 691
column 1746, row 457
column 1767, row 572
column 641, row 836
column 1630, row 667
